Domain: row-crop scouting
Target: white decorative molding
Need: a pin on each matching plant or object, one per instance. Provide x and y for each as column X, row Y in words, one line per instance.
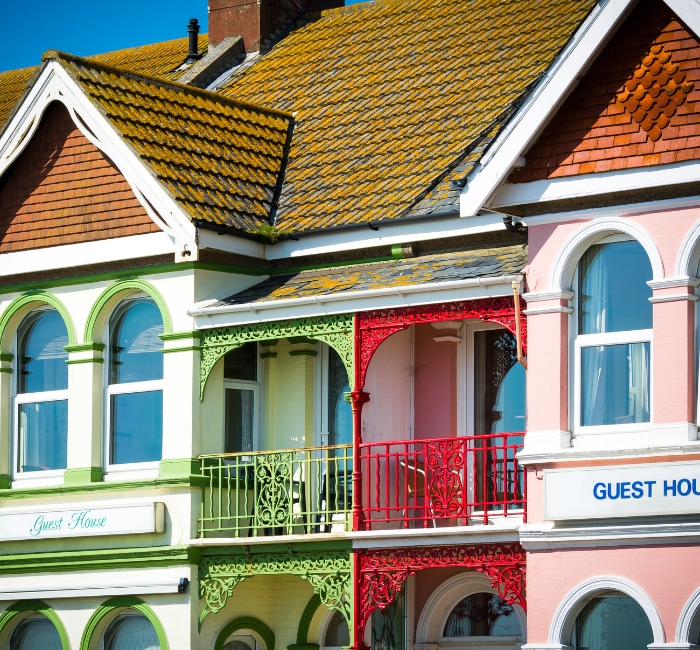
column 689, row 621
column 569, row 254
column 579, row 186
column 663, row 435
column 442, row 601
column 576, row 599
column 537, row 537
column 447, row 339
column 681, row 296
column 548, row 310
column 672, row 283
column 689, row 253
column 538, row 443
column 536, row 296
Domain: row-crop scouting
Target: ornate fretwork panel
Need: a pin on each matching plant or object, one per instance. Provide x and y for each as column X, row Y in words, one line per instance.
column 384, row 572
column 376, row 326
column 336, row 331
column 329, row 574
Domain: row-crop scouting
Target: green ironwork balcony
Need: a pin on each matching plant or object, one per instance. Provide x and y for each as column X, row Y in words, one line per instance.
column 281, row 492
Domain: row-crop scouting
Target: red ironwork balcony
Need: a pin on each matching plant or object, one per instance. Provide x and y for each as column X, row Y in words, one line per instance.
column 442, row 481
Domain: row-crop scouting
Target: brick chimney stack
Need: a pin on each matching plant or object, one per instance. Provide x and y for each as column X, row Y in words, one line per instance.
column 256, row 20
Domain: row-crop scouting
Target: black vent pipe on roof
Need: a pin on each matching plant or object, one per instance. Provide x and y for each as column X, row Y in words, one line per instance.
column 193, row 29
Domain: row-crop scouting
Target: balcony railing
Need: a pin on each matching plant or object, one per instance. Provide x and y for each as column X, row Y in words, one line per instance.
column 282, row 492
column 441, row 482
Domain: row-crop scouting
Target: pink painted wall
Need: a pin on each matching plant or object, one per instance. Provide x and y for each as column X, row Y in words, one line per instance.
column 668, row 574
column 434, row 384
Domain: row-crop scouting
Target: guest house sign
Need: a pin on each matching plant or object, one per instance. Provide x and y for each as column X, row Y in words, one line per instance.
column 622, row 491
column 83, row 522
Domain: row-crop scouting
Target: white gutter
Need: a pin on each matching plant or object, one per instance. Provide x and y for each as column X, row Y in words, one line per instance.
column 355, row 295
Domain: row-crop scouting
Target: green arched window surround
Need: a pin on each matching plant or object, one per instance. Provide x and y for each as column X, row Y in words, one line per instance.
column 246, row 623
column 114, row 606
column 27, row 299
column 120, row 286
column 26, row 606
column 305, row 624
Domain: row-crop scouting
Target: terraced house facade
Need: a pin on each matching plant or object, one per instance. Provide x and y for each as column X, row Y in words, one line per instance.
column 337, row 325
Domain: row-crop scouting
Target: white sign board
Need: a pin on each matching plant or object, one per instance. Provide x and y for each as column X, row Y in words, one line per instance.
column 83, row 522
column 622, row 491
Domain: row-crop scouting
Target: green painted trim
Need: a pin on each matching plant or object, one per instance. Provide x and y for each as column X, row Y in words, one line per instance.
column 268, row 343
column 6, row 356
column 82, row 475
column 182, row 468
column 43, row 297
column 305, row 621
column 83, row 347
column 299, row 339
column 5, row 482
column 245, row 623
column 99, row 559
column 71, row 362
column 396, row 252
column 87, row 488
column 303, row 646
column 263, row 355
column 118, row 603
column 112, row 290
column 7, row 370
column 177, row 336
column 302, row 353
column 35, row 606
column 190, row 348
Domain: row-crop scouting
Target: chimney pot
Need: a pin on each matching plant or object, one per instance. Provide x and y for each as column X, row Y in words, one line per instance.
column 193, row 29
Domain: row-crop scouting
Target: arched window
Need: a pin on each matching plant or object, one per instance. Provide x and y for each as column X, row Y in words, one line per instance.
column 242, row 399
column 337, row 632
column 483, row 615
column 613, row 342
column 41, row 402
column 612, row 620
column 130, row 630
column 135, row 384
column 33, row 632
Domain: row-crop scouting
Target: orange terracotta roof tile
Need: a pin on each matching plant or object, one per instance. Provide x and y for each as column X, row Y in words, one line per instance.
column 219, row 158
column 390, row 95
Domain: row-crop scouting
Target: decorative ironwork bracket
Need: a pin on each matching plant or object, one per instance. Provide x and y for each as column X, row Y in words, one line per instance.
column 384, row 572
column 376, row 326
column 329, row 574
column 335, row 330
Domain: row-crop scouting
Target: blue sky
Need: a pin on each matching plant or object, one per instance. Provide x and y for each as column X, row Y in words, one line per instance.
column 86, row 27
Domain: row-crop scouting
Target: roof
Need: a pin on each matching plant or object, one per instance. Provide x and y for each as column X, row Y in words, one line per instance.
column 219, row 158
column 160, row 59
column 390, row 96
column 444, row 267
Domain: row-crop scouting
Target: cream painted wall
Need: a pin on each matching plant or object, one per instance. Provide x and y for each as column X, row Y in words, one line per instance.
column 277, row 601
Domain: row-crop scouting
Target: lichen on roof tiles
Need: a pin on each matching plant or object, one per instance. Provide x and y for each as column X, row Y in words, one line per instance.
column 219, row 158
column 505, row 260
column 388, row 94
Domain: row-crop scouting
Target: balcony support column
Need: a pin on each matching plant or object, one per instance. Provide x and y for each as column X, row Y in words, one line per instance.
column 359, row 399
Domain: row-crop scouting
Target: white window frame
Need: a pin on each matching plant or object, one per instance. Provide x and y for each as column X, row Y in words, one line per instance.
column 44, row 477
column 579, row 341
column 256, row 387
column 113, row 472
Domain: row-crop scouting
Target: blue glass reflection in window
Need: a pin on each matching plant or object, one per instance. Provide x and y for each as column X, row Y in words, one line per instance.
column 340, row 411
column 613, row 290
column 34, row 633
column 612, row 622
column 43, row 436
column 42, row 357
column 137, row 427
column 136, row 348
column 615, row 384
column 130, row 632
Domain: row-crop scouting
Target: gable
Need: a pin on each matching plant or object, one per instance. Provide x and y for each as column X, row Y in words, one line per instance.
column 636, row 106
column 63, row 190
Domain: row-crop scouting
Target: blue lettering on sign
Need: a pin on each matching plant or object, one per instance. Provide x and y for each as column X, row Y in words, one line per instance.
column 635, row 490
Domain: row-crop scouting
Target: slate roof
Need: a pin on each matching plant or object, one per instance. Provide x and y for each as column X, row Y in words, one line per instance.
column 219, row 158
column 391, row 94
column 160, row 59
column 506, row 260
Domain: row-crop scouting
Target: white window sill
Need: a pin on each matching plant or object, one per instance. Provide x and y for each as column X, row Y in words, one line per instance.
column 131, row 472
column 40, row 479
